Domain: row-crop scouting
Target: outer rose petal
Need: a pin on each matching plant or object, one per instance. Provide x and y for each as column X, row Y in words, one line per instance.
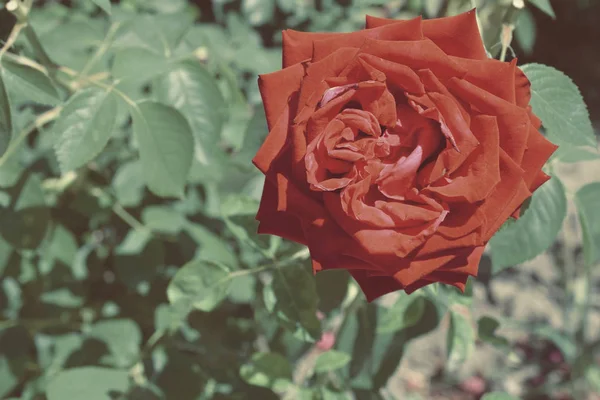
column 458, row 35
column 280, row 223
column 276, row 89
column 375, row 286
column 298, row 46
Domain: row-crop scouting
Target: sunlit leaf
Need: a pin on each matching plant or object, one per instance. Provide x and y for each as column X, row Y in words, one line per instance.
column 331, row 360
column 90, row 383
column 270, row 370
column 199, row 284
column 85, row 125
column 558, row 102
column 535, row 231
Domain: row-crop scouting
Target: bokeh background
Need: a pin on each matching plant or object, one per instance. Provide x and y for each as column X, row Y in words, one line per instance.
column 90, row 294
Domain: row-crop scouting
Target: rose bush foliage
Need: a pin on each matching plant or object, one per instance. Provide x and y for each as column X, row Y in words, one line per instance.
column 396, row 152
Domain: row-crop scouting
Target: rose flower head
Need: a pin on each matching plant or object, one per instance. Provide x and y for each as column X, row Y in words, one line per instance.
column 397, row 151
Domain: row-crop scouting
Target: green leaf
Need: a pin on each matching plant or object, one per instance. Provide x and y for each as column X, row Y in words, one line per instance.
column 84, row 127
column 166, row 147
column 406, row 312
column 331, row 360
column 211, row 246
column 525, row 33
column 199, row 284
column 574, row 154
column 29, row 83
column 123, row 338
column 498, row 396
column 296, row 299
column 460, row 340
column 138, row 64
column 163, row 219
column 25, row 223
column 90, row 383
column 270, row 370
column 104, row 4
column 128, row 184
column 545, row 6
column 558, row 102
column 258, row 12
column 5, row 119
column 586, row 199
column 192, row 90
column 535, row 231
column 486, row 332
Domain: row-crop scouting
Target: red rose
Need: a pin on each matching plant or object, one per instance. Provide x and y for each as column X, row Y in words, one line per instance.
column 396, row 152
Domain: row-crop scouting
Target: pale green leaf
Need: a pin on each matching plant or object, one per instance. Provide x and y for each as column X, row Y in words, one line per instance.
column 258, row 12
column 104, row 4
column 89, row 383
column 460, row 340
column 535, row 231
column 199, row 284
column 270, row 370
column 84, row 127
column 138, row 64
column 331, row 360
column 5, row 118
column 545, row 6
column 128, row 184
column 163, row 219
column 29, row 82
column 586, row 199
column 498, row 396
column 573, row 154
column 166, row 147
column 558, row 102
column 192, row 90
column 123, row 338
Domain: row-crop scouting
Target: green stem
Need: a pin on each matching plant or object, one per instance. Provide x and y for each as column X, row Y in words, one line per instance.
column 100, row 51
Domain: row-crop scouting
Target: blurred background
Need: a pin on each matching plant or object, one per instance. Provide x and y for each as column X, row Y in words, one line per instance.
column 89, row 279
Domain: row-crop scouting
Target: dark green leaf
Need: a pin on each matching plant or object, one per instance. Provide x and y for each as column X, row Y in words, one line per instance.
column 84, row 127
column 558, row 102
column 166, row 147
column 29, row 83
column 406, row 312
column 90, row 383
column 535, row 231
column 331, row 360
column 545, row 6
column 486, row 331
column 296, row 299
column 586, row 199
column 5, row 118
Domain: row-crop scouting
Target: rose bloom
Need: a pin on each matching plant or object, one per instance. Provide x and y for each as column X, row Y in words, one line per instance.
column 396, row 152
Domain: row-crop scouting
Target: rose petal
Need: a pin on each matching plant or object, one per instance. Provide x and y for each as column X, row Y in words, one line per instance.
column 275, row 222
column 458, row 35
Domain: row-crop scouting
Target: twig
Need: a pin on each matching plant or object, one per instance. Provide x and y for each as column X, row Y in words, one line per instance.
column 508, row 26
